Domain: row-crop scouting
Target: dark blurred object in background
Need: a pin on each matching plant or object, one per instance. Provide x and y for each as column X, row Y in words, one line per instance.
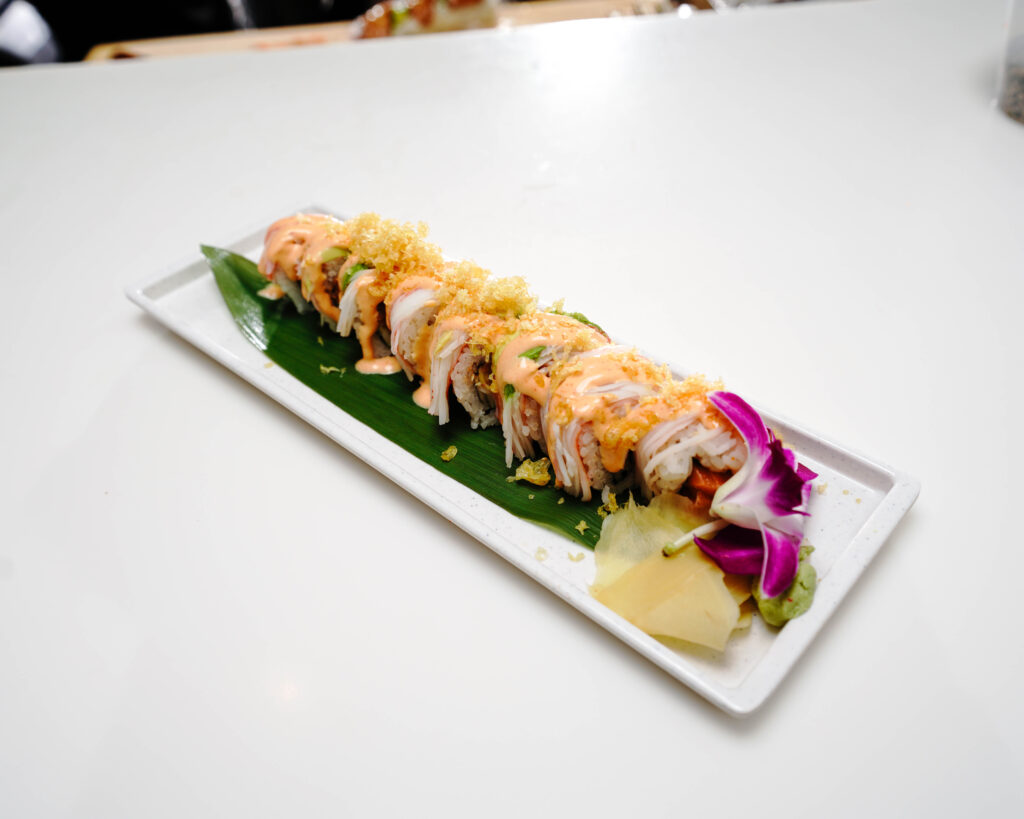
column 78, row 26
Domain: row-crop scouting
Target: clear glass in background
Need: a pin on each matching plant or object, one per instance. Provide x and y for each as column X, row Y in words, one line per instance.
column 1011, row 77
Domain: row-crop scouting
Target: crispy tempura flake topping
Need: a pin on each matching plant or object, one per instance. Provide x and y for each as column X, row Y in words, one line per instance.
column 535, row 472
column 398, row 248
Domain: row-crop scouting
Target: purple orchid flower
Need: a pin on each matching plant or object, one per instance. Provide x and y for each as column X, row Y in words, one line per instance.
column 766, row 496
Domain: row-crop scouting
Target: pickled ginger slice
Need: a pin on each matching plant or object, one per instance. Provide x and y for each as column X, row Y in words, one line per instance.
column 633, row 533
column 683, row 597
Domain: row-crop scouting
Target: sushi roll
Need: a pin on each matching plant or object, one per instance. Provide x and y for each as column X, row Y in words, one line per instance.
column 606, row 416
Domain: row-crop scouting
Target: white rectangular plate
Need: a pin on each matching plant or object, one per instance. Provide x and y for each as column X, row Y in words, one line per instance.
column 856, row 504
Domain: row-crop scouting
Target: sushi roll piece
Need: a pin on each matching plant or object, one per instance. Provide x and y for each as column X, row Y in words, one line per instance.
column 615, row 419
column 523, row 365
column 411, row 308
column 284, row 247
column 460, row 363
column 362, row 312
column 698, row 449
column 600, row 403
column 322, row 269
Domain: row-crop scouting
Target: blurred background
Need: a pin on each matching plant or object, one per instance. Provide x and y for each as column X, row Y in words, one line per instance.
column 44, row 31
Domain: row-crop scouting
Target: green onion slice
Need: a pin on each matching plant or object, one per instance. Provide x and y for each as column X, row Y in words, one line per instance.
column 351, row 273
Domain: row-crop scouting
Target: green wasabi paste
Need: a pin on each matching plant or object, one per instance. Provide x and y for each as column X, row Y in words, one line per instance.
column 795, row 600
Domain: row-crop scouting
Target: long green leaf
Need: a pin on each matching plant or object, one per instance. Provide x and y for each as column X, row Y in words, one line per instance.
column 326, row 363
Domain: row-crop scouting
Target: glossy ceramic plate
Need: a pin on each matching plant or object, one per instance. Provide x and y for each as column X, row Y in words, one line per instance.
column 856, row 503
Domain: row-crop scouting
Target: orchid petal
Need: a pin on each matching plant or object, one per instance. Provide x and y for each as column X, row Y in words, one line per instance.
column 735, row 550
column 806, row 475
column 773, row 554
column 781, row 560
column 743, row 416
column 785, row 487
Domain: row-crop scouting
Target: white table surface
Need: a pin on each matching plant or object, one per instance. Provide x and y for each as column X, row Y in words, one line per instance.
column 208, row 609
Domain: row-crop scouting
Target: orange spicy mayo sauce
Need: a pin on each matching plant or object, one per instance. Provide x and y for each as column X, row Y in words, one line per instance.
column 379, row 366
column 285, row 243
column 366, row 327
column 422, row 394
column 563, row 333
